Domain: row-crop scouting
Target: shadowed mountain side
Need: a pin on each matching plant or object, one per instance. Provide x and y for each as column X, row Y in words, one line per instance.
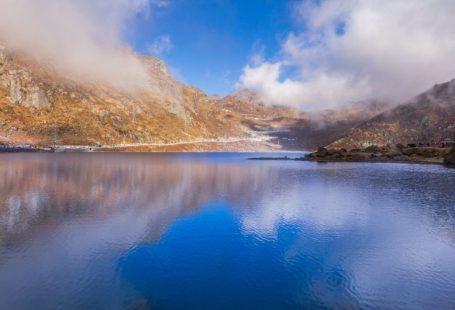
column 428, row 119
column 297, row 130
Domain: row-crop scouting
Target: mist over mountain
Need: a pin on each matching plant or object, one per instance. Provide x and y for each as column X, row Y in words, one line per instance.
column 427, row 119
column 81, row 39
column 67, row 77
column 41, row 105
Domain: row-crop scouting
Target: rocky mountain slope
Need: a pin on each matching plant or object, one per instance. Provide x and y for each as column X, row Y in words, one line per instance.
column 428, row 119
column 41, row 105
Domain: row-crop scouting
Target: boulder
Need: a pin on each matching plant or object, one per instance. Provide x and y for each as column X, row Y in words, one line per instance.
column 373, row 149
column 321, row 152
column 393, row 151
column 449, row 159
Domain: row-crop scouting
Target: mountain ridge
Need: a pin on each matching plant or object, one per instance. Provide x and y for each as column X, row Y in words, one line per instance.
column 427, row 119
column 41, row 105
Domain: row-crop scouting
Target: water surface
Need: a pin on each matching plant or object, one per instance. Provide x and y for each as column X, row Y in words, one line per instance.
column 215, row 231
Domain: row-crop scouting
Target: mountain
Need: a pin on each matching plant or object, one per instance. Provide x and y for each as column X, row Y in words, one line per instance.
column 324, row 127
column 297, row 130
column 41, row 105
column 428, row 118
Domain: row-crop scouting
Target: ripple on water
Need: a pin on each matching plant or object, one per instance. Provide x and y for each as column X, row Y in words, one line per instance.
column 202, row 232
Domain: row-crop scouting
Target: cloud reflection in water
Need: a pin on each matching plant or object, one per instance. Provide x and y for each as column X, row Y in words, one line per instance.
column 204, row 231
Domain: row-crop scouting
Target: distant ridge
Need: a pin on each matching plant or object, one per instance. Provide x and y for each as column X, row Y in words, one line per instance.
column 428, row 118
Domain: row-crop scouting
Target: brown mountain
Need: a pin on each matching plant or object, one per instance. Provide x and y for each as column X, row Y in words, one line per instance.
column 41, row 105
column 426, row 119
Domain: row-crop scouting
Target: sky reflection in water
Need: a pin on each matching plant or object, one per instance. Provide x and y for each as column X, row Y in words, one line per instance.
column 217, row 231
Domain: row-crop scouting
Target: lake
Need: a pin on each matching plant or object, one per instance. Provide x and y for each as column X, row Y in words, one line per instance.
column 217, row 231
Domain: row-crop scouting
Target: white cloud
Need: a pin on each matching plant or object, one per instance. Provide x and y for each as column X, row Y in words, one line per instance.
column 80, row 37
column 161, row 45
column 160, row 3
column 359, row 49
column 322, row 88
column 257, row 53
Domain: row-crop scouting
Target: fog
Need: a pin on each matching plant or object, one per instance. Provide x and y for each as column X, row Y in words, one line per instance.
column 81, row 38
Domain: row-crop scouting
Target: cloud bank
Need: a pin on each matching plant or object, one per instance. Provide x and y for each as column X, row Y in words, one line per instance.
column 354, row 50
column 80, row 37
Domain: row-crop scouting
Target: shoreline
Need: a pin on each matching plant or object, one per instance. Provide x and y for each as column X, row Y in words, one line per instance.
column 400, row 155
column 212, row 147
column 326, row 161
column 306, row 156
column 235, row 145
column 320, row 160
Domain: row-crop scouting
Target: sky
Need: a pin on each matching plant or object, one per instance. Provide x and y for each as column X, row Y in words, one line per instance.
column 207, row 43
column 310, row 54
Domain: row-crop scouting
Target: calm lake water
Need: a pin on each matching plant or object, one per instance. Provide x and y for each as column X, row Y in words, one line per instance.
column 216, row 231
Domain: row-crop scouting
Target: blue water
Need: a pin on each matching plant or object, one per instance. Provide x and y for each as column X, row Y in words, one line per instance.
column 217, row 231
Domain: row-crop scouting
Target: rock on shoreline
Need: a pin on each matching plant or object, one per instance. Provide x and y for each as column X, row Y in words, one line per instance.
column 449, row 159
column 395, row 153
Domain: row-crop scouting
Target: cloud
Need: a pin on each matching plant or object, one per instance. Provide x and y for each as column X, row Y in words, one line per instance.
column 161, row 45
column 359, row 49
column 257, row 53
column 82, row 38
column 160, row 3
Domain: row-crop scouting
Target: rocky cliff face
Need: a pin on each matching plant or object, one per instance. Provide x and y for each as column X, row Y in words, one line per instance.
column 427, row 119
column 22, row 89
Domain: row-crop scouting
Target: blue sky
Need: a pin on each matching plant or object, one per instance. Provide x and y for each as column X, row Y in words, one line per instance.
column 212, row 40
column 315, row 54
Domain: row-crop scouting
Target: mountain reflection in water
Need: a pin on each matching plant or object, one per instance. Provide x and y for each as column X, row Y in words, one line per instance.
column 215, row 231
